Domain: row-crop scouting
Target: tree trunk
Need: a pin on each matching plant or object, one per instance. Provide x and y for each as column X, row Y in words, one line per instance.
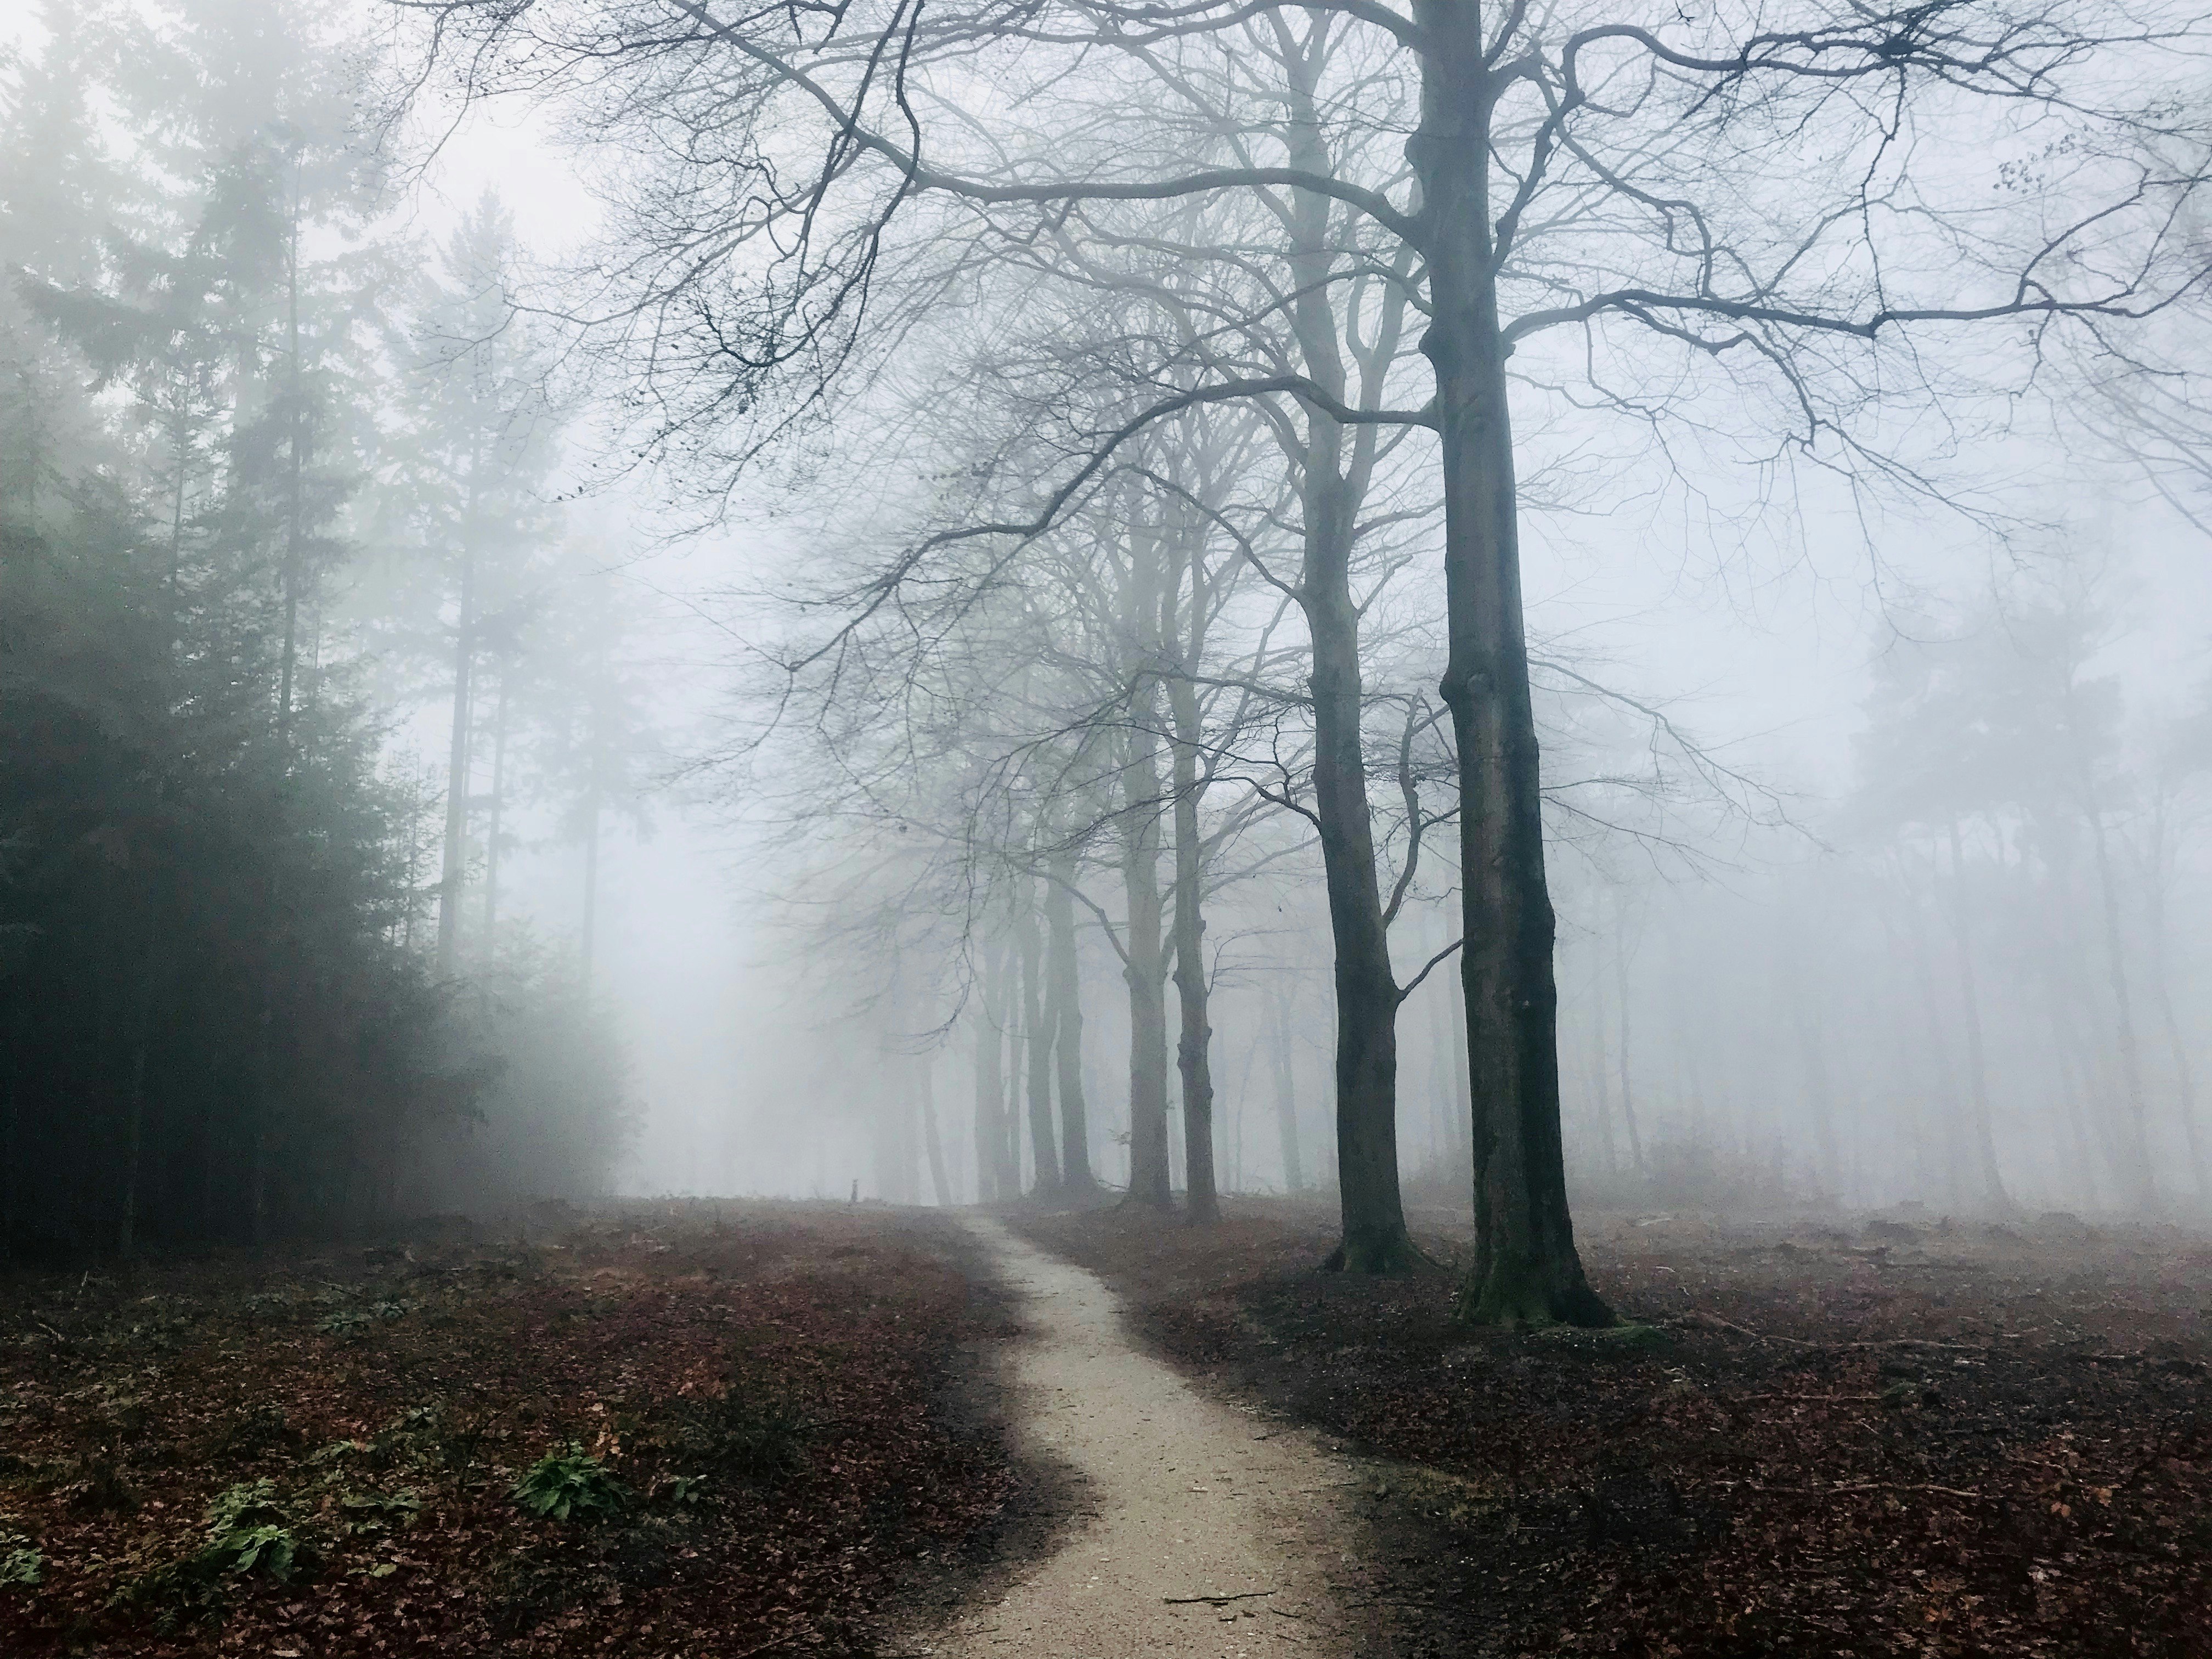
column 1621, row 1045
column 2136, row 1126
column 1986, row 1145
column 492, row 828
column 1146, row 967
column 990, row 1088
column 939, row 1182
column 1037, row 1036
column 1148, row 1019
column 2184, row 1074
column 453, row 869
column 1286, row 1097
column 295, row 414
column 591, row 888
column 1065, row 1018
column 1374, row 1239
column 1947, row 1077
column 1814, row 1064
column 1194, row 1040
column 1601, row 1071
column 1526, row 1269
column 134, row 1117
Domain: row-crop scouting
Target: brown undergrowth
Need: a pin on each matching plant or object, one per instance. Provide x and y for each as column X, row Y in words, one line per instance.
column 749, row 1415
column 1873, row 1439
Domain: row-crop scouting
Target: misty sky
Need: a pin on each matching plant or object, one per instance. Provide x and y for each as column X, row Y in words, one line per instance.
column 1754, row 624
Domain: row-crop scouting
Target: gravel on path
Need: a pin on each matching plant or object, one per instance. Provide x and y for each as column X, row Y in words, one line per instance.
column 1205, row 1530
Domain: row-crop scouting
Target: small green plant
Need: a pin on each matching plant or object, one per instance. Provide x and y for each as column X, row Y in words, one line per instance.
column 248, row 1533
column 570, row 1484
column 21, row 1566
column 268, row 1550
column 373, row 1511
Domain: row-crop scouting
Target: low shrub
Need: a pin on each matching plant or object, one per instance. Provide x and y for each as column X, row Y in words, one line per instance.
column 570, row 1484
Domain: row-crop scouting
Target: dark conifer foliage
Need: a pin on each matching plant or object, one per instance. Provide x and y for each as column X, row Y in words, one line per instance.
column 219, row 1020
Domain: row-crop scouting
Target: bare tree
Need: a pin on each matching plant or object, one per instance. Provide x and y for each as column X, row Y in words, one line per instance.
column 1749, row 186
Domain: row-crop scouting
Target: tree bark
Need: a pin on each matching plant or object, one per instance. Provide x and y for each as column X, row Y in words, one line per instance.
column 990, row 1088
column 1374, row 1239
column 1064, row 1019
column 591, row 887
column 2184, row 1074
column 134, row 1117
column 1194, row 1040
column 492, row 828
column 1043, row 1149
column 1286, row 1097
column 2136, row 1126
column 1145, row 967
column 1601, row 1072
column 1620, row 1055
column 1814, row 1064
column 940, row 1181
column 452, row 870
column 1978, row 1083
column 1148, row 1015
column 1526, row 1268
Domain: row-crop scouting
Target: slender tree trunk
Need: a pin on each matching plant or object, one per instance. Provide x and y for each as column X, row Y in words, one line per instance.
column 1939, row 1050
column 1622, row 1071
column 1148, row 1020
column 1526, row 1268
column 1038, row 1036
column 940, row 1183
column 453, row 869
column 134, row 1114
column 2065, row 1042
column 2185, row 1075
column 295, row 420
column 591, row 888
column 1195, row 1041
column 183, row 439
column 1145, row 967
column 2137, row 1128
column 1064, row 1019
column 1601, row 1075
column 990, row 1086
column 1986, row 1145
column 1814, row 1063
column 1286, row 1097
column 492, row 829
column 1374, row 1240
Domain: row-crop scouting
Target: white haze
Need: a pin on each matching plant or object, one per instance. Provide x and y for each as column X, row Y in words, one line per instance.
column 748, row 1082
column 1754, row 627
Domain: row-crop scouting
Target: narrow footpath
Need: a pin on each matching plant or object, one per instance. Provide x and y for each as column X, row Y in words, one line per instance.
column 1207, row 1531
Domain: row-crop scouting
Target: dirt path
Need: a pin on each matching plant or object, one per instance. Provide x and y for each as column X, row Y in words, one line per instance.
column 1187, row 1497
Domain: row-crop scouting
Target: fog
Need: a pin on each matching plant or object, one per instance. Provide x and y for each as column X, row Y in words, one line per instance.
column 572, row 631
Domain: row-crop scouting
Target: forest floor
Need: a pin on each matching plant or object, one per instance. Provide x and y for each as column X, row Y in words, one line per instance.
column 314, row 1455
column 1861, row 1439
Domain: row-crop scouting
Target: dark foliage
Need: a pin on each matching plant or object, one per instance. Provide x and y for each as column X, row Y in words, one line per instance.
column 218, row 1023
